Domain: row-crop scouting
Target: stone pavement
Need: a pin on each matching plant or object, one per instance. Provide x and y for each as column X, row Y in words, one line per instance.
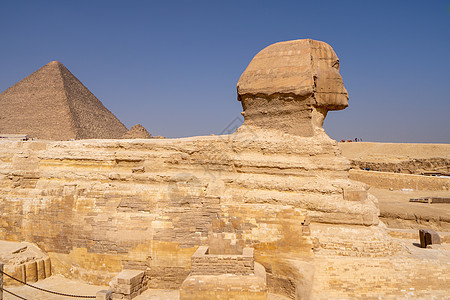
column 60, row 284
column 55, row 283
column 417, row 274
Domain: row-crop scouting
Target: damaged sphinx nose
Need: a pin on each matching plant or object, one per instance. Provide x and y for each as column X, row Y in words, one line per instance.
column 290, row 86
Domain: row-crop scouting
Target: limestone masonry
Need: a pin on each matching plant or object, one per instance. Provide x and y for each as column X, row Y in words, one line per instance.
column 278, row 185
column 399, row 158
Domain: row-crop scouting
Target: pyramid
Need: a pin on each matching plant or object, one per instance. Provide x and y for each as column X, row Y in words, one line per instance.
column 137, row 132
column 52, row 104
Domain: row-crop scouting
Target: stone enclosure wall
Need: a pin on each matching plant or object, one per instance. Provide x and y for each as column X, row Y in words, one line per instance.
column 396, row 181
column 203, row 263
column 398, row 157
column 216, row 276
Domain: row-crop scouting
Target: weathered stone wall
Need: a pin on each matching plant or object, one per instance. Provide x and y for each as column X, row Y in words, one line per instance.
column 224, row 277
column 398, row 157
column 128, row 284
column 99, row 206
column 408, row 166
column 396, row 181
column 398, row 278
column 203, row 263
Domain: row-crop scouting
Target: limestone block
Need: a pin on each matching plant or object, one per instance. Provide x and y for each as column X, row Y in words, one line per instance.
column 355, row 195
column 41, row 269
column 48, row 267
column 31, row 272
column 103, row 295
column 15, row 271
column 23, row 271
column 248, row 252
column 428, row 237
column 127, row 284
column 131, row 277
column 203, row 263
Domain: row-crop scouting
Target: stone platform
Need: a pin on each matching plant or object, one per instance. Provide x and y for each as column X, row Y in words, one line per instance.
column 224, row 277
column 24, row 261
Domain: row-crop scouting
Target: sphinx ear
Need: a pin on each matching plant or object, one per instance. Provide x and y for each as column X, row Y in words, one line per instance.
column 315, row 80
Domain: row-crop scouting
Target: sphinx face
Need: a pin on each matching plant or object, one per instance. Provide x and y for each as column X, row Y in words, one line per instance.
column 330, row 92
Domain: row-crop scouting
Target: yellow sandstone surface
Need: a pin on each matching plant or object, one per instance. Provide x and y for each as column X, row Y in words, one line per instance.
column 97, row 206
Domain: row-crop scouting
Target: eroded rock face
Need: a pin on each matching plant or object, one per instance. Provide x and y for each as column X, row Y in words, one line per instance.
column 109, row 204
column 290, row 86
column 398, row 157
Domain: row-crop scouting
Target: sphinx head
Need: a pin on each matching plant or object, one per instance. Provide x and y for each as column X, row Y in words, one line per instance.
column 290, row 86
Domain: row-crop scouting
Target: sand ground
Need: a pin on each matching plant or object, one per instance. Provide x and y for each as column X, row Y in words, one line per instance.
column 368, row 151
column 56, row 283
column 397, row 212
column 61, row 284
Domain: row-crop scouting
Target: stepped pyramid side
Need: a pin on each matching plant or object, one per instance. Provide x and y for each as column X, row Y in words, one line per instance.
column 92, row 119
column 53, row 104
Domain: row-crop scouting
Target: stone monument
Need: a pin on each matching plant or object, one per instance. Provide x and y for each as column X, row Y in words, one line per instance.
column 52, row 104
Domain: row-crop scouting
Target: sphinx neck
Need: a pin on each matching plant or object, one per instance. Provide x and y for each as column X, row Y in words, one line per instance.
column 290, row 114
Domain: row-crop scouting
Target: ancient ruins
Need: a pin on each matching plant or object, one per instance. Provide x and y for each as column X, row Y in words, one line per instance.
column 268, row 209
column 137, row 132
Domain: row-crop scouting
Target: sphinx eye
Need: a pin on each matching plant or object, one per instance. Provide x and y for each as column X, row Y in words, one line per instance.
column 336, row 65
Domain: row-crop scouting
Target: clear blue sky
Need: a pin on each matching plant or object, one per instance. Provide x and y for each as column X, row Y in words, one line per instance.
column 173, row 65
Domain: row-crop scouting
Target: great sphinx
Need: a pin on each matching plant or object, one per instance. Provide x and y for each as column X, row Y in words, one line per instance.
column 278, row 184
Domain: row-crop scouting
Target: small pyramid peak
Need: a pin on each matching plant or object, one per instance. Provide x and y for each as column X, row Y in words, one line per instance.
column 54, row 63
column 137, row 132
